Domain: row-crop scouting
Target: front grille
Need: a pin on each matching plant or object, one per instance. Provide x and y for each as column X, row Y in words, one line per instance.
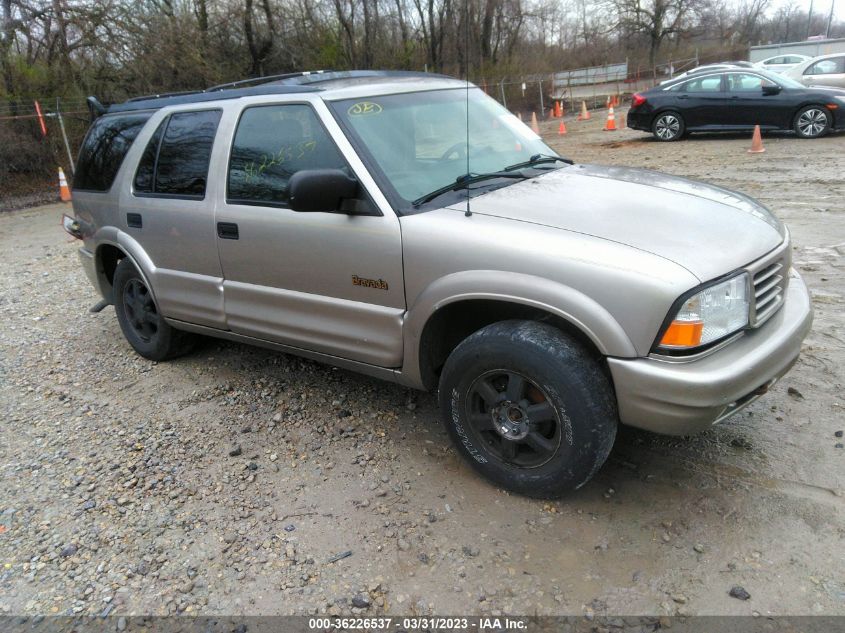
column 770, row 277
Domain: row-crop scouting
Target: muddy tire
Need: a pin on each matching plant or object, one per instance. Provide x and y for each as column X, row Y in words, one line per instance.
column 528, row 407
column 142, row 324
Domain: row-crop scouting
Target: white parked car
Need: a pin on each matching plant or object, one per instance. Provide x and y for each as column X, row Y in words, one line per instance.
column 780, row 63
column 827, row 70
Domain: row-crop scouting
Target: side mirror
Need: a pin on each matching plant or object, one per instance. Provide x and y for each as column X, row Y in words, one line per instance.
column 315, row 190
column 771, row 89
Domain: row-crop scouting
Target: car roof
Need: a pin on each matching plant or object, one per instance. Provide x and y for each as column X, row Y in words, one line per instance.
column 725, row 70
column 801, row 55
column 331, row 85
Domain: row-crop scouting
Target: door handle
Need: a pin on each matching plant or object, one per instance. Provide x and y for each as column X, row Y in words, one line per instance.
column 227, row 230
column 735, row 97
column 683, row 97
column 134, row 221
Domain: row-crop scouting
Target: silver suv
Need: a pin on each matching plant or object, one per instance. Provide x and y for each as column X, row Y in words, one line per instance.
column 408, row 227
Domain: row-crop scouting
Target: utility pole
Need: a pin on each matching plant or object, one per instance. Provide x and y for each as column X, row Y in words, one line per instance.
column 829, row 19
column 809, row 19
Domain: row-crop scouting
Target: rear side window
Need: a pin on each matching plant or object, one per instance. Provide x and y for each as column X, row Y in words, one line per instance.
column 271, row 144
column 704, row 84
column 104, row 149
column 175, row 161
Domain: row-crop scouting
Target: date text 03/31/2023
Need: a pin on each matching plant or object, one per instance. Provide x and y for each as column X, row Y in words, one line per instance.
column 418, row 623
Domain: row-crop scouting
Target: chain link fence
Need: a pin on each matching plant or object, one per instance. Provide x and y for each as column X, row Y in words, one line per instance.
column 36, row 138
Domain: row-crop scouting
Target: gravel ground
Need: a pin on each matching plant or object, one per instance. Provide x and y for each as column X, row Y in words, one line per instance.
column 242, row 481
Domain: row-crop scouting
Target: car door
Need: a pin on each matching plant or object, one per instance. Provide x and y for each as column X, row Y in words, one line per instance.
column 700, row 101
column 826, row 72
column 169, row 210
column 750, row 105
column 323, row 281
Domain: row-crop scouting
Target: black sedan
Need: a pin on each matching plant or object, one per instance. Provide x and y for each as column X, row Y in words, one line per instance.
column 737, row 99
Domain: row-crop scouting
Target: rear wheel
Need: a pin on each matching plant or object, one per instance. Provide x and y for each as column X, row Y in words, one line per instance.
column 812, row 122
column 668, row 126
column 528, row 407
column 142, row 324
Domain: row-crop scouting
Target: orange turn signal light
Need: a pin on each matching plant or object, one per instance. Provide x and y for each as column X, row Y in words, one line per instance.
column 683, row 334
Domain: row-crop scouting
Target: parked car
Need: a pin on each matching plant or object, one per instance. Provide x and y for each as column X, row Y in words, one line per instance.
column 828, row 70
column 737, row 99
column 780, row 63
column 364, row 219
column 708, row 68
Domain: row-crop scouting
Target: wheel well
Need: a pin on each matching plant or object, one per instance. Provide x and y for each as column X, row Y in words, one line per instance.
column 450, row 325
column 108, row 257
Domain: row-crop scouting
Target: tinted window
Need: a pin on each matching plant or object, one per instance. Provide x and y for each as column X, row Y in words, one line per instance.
column 271, row 144
column 104, row 149
column 827, row 67
column 776, row 60
column 704, row 84
column 144, row 177
column 182, row 165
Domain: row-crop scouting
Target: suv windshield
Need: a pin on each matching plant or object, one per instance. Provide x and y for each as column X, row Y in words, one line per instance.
column 419, row 140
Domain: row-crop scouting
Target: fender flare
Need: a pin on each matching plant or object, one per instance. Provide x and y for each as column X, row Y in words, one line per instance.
column 563, row 301
column 112, row 236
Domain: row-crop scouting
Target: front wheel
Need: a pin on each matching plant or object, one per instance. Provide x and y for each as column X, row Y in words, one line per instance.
column 142, row 324
column 528, row 407
column 668, row 126
column 812, row 122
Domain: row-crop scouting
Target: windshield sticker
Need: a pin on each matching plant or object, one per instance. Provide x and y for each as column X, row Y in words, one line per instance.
column 364, row 108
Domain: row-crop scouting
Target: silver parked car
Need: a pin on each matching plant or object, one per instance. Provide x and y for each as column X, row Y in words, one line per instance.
column 827, row 70
column 408, row 227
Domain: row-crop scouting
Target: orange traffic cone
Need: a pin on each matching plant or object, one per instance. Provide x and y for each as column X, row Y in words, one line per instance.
column 610, row 126
column 534, row 125
column 585, row 114
column 64, row 190
column 756, row 142
column 561, row 130
column 558, row 110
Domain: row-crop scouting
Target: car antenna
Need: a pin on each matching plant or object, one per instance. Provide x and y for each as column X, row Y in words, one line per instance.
column 468, row 213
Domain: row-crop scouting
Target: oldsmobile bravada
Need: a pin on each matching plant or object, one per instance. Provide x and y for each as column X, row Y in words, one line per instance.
column 408, row 227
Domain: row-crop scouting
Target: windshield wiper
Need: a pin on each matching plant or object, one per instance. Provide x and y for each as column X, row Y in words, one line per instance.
column 462, row 182
column 537, row 159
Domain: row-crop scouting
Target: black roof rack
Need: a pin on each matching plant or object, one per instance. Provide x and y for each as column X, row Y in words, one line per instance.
column 154, row 103
column 263, row 80
column 288, row 83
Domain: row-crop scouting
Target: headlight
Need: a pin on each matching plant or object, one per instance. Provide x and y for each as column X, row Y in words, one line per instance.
column 709, row 315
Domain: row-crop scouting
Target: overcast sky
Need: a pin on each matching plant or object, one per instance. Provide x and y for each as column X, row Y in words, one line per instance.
column 820, row 7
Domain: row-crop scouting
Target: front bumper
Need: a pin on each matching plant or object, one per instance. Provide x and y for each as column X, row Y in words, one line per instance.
column 682, row 398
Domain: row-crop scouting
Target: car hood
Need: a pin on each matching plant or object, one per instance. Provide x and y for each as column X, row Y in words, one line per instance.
column 708, row 230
